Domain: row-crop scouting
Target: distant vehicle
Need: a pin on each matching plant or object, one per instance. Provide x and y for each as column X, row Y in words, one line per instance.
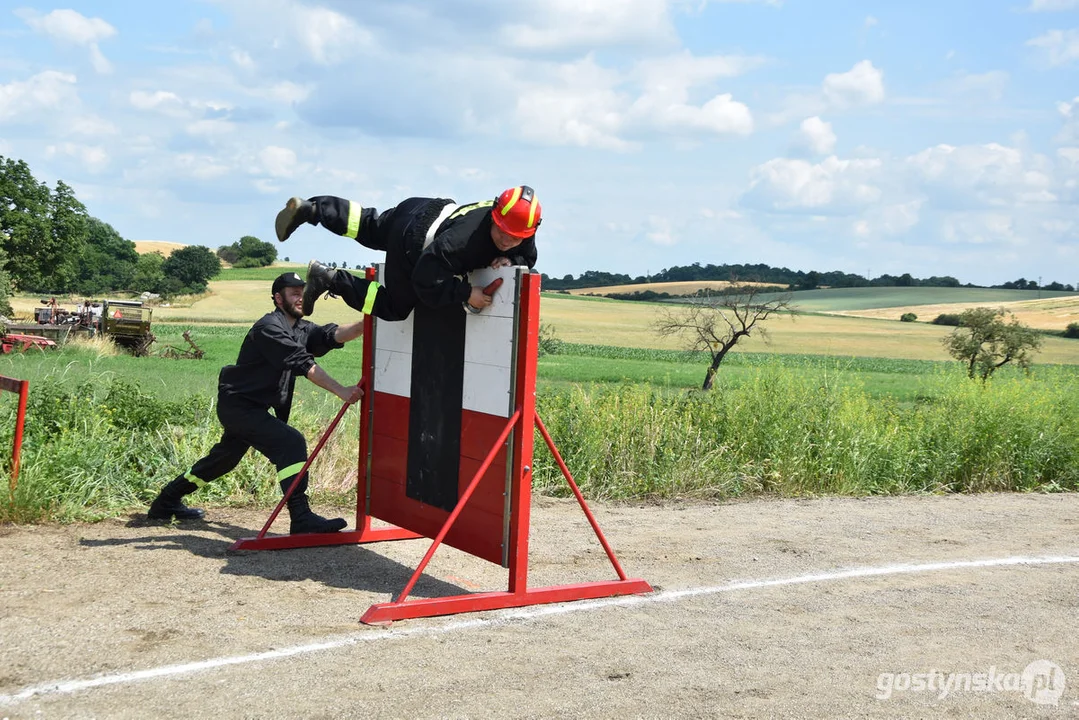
column 125, row 322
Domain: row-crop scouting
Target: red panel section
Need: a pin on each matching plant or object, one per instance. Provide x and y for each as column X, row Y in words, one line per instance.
column 478, row 431
column 391, row 415
column 389, row 458
column 489, row 495
column 476, row 532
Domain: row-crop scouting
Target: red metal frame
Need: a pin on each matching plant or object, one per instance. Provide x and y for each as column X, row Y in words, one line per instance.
column 22, row 387
column 521, row 424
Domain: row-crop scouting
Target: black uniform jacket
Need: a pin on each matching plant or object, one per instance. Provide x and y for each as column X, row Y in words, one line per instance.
column 461, row 244
column 271, row 357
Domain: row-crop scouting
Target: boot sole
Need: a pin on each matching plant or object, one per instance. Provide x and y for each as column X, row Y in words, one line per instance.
column 285, row 218
column 309, row 299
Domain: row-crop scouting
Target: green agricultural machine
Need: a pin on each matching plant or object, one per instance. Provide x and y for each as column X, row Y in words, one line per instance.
column 127, row 323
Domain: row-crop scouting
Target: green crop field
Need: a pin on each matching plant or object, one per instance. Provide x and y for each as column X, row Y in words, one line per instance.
column 840, row 299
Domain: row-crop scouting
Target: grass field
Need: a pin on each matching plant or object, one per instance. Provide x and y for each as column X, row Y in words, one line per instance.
column 629, row 324
column 824, row 410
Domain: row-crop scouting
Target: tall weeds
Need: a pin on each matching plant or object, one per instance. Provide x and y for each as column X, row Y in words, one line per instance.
column 785, row 434
column 106, row 446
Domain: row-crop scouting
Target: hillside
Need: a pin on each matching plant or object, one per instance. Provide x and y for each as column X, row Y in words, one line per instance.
column 160, row 246
column 688, row 287
column 1044, row 314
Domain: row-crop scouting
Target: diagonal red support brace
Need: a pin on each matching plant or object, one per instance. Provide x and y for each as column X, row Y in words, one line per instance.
column 580, row 499
column 458, row 508
column 306, row 465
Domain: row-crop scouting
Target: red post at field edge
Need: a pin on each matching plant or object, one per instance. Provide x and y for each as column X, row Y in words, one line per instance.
column 22, row 387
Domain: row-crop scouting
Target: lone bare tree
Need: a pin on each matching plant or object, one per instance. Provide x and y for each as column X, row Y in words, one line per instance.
column 985, row 342
column 717, row 323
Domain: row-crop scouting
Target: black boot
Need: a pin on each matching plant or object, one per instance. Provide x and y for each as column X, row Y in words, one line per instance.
column 320, row 278
column 297, row 211
column 304, row 519
column 169, row 502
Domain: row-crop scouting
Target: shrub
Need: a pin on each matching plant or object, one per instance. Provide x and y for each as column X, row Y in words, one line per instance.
column 1072, row 330
column 951, row 319
column 908, row 317
column 549, row 344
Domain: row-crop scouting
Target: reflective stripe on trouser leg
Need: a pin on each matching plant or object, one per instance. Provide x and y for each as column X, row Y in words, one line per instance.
column 199, row 482
column 354, row 212
column 291, row 470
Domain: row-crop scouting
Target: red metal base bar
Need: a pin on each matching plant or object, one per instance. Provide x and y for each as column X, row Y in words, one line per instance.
column 352, row 537
column 431, row 607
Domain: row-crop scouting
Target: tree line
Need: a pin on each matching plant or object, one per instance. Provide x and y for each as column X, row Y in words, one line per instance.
column 791, row 279
column 50, row 244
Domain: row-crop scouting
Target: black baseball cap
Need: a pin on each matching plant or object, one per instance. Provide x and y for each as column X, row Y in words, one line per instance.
column 284, row 280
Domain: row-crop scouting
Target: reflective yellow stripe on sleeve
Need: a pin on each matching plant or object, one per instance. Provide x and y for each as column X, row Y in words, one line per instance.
column 199, row 482
column 289, row 471
column 354, row 210
column 369, row 299
column 469, row 208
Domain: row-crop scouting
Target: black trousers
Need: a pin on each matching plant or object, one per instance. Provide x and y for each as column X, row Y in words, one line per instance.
column 398, row 231
column 246, row 426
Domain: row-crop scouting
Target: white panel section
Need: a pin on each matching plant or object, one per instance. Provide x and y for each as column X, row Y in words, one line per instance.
column 393, row 372
column 396, row 336
column 489, row 337
column 489, row 340
column 487, row 389
column 393, row 351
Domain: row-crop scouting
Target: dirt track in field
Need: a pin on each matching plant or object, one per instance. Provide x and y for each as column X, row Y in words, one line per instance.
column 859, row 588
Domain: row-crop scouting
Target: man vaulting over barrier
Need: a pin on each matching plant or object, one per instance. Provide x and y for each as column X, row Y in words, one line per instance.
column 430, row 244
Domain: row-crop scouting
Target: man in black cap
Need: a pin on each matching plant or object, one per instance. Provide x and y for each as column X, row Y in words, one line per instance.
column 280, row 346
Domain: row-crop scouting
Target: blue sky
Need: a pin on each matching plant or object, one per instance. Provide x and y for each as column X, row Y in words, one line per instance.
column 936, row 138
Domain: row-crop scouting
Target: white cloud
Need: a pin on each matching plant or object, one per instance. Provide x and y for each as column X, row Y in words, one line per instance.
column 578, row 107
column 284, row 92
column 1069, row 133
column 93, row 126
column 870, row 21
column 832, row 184
column 980, row 229
column 242, row 59
column 1060, row 47
column 989, row 175
column 1052, row 5
column 73, row 28
column 889, row 220
column 167, row 103
column 94, row 158
column 657, row 230
column 49, row 90
column 817, row 136
column 210, row 127
column 200, row 167
column 863, row 84
column 328, row 36
column 666, row 83
column 561, row 24
column 990, row 85
column 278, row 161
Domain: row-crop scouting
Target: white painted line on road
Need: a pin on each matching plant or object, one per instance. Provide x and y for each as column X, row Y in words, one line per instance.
column 67, row 687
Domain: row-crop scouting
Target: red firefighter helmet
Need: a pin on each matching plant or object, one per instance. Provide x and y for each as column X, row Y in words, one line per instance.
column 517, row 211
